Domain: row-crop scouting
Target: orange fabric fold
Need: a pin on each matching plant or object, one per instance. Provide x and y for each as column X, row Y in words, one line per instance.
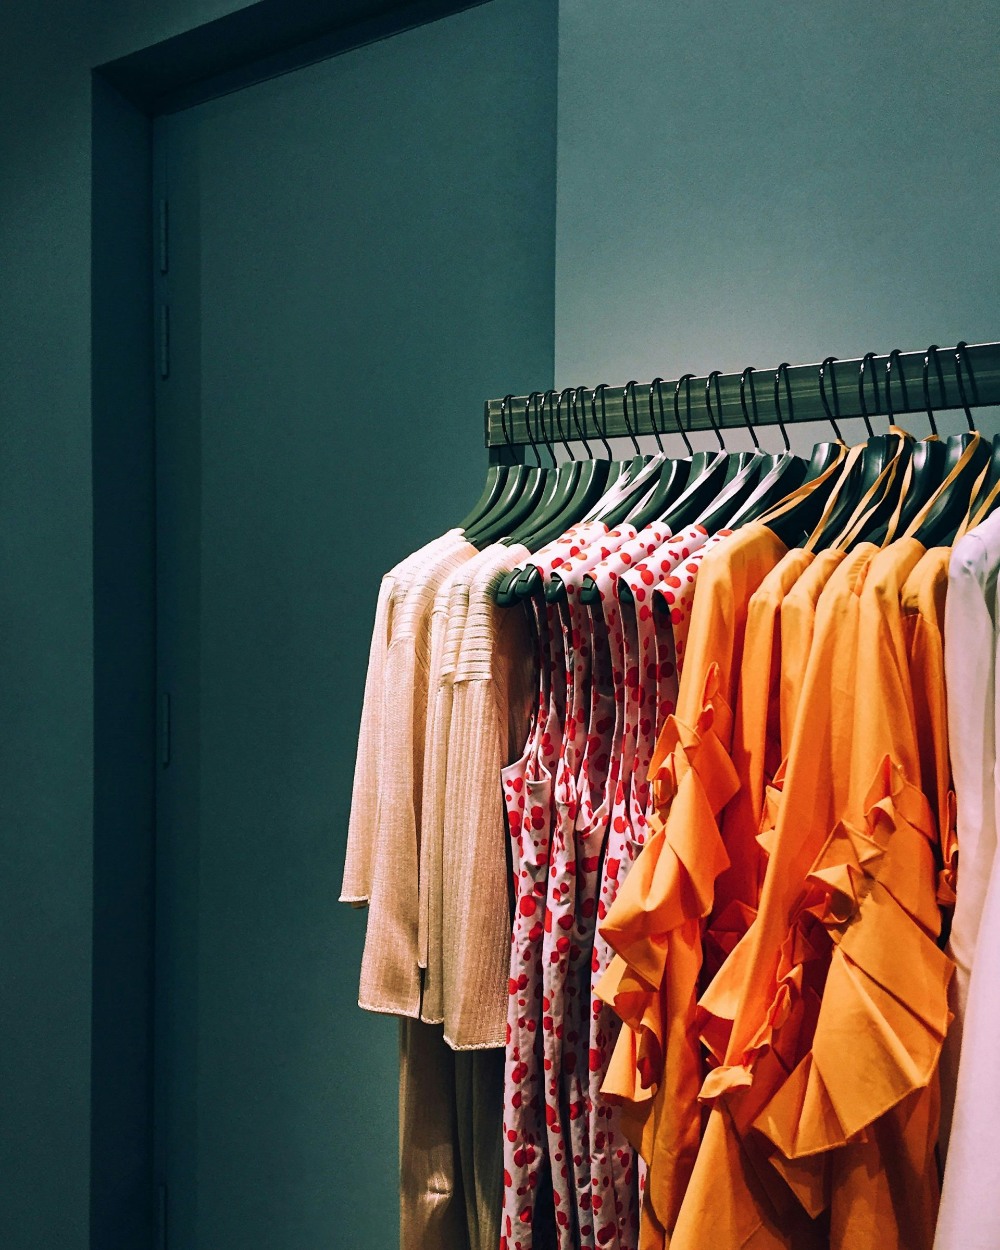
column 656, row 923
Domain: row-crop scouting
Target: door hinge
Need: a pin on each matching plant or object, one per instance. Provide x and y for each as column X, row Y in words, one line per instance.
column 164, row 336
column 165, row 730
column 161, row 1218
column 163, row 236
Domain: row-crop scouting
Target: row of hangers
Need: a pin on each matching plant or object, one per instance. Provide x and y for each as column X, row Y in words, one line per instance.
column 534, row 505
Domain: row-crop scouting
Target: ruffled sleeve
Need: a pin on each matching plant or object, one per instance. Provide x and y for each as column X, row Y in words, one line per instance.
column 884, row 1008
column 673, row 878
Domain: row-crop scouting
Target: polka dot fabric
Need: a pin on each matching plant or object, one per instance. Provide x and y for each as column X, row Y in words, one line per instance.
column 652, row 697
column 584, row 839
column 612, row 1165
column 527, row 791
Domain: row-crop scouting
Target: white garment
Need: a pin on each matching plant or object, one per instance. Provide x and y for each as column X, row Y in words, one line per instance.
column 969, row 1217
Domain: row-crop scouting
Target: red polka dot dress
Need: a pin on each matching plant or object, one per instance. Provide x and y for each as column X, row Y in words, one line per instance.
column 584, row 838
column 610, row 1160
column 676, row 593
column 562, row 900
column 649, row 648
column 528, row 799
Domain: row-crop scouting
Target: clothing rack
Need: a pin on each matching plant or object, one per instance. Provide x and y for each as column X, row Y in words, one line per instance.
column 789, row 395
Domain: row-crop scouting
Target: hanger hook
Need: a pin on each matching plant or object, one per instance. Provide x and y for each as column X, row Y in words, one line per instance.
column 861, row 391
column 657, row 385
column 630, row 388
column 575, row 413
column 684, row 379
column 547, row 434
column 748, row 372
column 895, row 355
column 782, row 373
column 714, row 377
column 566, row 391
column 602, row 427
column 962, row 359
column 503, row 421
column 836, row 398
column 532, row 399
column 927, row 398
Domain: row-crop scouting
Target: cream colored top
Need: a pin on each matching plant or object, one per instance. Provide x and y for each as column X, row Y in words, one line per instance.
column 493, row 691
column 451, row 608
column 390, row 973
column 364, row 797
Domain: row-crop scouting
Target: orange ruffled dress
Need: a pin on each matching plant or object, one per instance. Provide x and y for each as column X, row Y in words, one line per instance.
column 829, row 1080
column 655, row 924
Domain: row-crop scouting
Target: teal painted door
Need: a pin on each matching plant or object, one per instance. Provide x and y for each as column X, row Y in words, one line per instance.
column 359, row 253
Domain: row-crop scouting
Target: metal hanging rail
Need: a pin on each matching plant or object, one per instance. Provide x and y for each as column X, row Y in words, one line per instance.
column 797, row 388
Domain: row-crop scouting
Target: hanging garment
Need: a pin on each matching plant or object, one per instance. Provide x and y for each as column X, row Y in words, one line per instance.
column 530, row 1186
column 614, row 1171
column 789, row 1072
column 432, row 1197
column 527, row 798
column 491, row 711
column 570, row 1000
column 970, row 1211
column 364, row 799
column 655, row 923
column 679, row 866
column 390, row 973
column 971, row 629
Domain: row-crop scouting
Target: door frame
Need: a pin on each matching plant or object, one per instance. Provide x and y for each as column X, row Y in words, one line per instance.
column 255, row 43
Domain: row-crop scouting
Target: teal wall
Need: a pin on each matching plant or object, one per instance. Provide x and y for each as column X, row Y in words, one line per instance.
column 47, row 796
column 740, row 184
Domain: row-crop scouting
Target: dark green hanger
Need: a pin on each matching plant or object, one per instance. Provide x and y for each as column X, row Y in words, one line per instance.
column 522, row 582
column 928, row 457
column 567, row 477
column 948, row 511
column 520, row 497
column 826, row 454
column 993, row 476
column 794, row 526
column 879, row 449
column 779, row 475
column 674, row 475
column 641, row 481
column 496, row 477
column 706, row 486
column 571, row 505
column 516, row 482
